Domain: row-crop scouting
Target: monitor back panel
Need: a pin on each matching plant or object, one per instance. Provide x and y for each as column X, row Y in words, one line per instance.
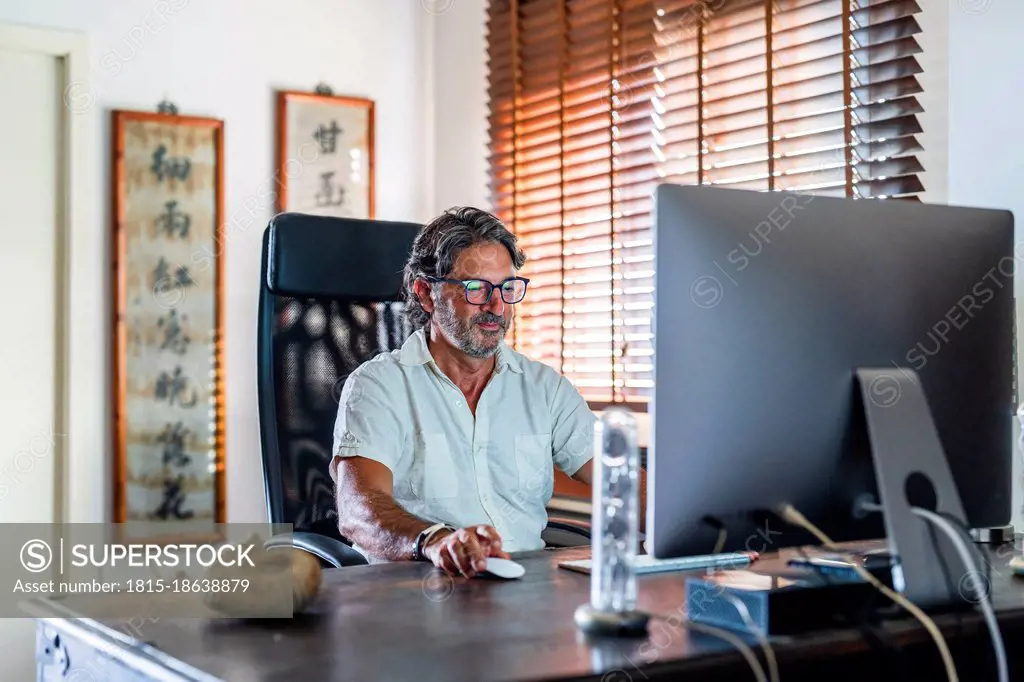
column 766, row 303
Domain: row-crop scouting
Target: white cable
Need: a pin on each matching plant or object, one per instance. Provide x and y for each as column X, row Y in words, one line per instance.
column 769, row 653
column 963, row 550
column 741, row 608
column 790, row 514
column 965, row 556
column 741, row 646
column 720, row 544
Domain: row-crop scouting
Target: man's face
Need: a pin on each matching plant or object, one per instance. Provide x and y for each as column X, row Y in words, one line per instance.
column 476, row 330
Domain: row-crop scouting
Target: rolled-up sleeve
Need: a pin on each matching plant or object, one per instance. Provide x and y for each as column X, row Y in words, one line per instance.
column 572, row 431
column 367, row 424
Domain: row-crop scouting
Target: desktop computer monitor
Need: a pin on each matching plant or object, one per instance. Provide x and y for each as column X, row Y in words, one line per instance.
column 766, row 305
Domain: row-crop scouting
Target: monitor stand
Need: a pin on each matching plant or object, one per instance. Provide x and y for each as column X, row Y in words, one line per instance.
column 911, row 470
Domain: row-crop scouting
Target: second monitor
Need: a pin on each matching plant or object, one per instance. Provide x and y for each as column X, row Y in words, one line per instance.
column 766, row 305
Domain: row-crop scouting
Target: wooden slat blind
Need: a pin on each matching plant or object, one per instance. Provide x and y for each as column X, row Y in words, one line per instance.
column 595, row 102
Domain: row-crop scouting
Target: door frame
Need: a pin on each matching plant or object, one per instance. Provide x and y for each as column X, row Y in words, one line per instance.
column 81, row 411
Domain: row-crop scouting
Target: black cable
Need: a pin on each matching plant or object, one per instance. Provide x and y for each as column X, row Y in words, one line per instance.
column 958, row 614
column 863, row 620
column 875, row 507
column 969, row 555
column 955, row 644
column 941, row 560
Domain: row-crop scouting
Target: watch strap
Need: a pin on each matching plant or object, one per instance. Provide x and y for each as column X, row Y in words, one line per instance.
column 424, row 537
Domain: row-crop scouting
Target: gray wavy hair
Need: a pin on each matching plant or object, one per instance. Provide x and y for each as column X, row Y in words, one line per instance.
column 439, row 243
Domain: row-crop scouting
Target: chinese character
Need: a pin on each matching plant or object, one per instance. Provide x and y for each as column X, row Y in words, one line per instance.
column 174, row 340
column 182, row 277
column 325, row 197
column 173, row 221
column 327, row 137
column 174, row 497
column 173, row 438
column 173, row 168
column 161, row 273
column 171, row 388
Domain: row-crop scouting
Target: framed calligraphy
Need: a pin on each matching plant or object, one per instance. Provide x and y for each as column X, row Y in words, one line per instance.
column 325, row 157
column 168, row 180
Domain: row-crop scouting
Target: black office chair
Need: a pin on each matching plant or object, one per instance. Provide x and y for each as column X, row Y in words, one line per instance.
column 329, row 301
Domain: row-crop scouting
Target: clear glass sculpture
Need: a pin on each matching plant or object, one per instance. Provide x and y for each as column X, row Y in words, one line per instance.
column 615, row 514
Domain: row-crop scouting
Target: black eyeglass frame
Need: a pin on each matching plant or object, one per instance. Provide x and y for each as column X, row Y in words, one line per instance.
column 465, row 287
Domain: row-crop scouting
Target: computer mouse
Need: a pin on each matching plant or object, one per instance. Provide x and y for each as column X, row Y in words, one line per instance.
column 502, row 568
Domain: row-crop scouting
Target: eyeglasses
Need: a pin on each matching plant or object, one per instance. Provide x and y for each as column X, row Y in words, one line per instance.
column 478, row 291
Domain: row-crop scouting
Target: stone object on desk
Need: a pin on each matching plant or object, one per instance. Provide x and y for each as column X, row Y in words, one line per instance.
column 278, row 575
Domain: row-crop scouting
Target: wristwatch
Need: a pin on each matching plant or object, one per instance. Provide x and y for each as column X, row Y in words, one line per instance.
column 424, row 537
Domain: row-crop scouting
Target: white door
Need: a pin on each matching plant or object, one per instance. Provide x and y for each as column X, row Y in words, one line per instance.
column 30, row 234
column 31, row 272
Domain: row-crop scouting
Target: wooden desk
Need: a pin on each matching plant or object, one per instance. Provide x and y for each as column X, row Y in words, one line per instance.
column 393, row 622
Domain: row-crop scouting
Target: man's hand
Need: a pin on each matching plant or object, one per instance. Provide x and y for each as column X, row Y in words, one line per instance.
column 465, row 551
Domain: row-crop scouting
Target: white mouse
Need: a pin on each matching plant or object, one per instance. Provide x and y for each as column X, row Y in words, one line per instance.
column 503, row 568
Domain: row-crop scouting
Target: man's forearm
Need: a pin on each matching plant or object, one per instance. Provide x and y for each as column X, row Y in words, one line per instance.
column 380, row 526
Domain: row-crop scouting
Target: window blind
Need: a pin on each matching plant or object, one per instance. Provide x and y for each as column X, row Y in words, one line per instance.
column 595, row 102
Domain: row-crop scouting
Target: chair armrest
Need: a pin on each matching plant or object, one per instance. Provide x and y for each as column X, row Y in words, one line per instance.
column 330, row 551
column 570, row 525
column 563, row 532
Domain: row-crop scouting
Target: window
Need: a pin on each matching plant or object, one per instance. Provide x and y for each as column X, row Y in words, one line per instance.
column 595, row 102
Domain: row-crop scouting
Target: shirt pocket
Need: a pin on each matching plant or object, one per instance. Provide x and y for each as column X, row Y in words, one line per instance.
column 534, row 464
column 440, row 479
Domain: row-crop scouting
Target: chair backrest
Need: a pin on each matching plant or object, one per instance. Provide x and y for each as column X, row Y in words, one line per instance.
column 329, row 300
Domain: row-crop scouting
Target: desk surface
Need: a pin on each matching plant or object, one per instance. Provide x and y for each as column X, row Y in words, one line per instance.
column 399, row 622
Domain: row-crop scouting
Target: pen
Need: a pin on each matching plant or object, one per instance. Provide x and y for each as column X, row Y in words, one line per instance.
column 737, row 559
column 696, row 563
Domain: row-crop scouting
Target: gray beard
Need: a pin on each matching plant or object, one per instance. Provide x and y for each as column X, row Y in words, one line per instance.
column 461, row 332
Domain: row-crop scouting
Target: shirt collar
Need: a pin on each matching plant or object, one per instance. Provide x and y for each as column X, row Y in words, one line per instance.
column 415, row 352
column 508, row 359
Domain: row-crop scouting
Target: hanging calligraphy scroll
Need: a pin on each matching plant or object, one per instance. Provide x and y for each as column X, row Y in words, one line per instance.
column 325, row 163
column 168, row 340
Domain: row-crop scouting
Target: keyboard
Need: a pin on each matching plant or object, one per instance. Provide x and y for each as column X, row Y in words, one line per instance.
column 646, row 564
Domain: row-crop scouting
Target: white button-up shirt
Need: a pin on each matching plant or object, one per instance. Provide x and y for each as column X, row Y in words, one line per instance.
column 401, row 410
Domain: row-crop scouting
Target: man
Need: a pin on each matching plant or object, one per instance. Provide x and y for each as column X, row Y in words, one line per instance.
column 444, row 449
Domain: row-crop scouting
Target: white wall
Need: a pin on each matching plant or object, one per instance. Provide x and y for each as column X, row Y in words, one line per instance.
column 934, row 79
column 460, row 117
column 225, row 59
column 986, row 85
column 986, row 167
